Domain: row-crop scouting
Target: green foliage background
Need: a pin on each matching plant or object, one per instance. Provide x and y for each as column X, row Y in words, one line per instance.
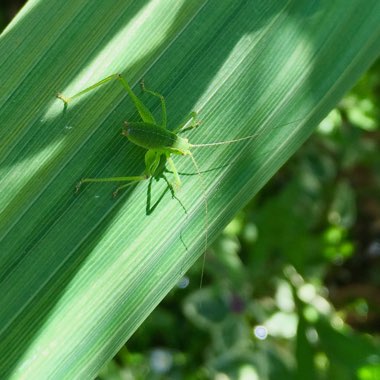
column 301, row 261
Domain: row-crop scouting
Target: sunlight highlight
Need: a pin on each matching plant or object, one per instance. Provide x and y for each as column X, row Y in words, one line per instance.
column 122, row 51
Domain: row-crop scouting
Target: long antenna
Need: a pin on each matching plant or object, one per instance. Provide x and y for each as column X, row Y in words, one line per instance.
column 204, row 185
column 224, row 142
column 239, row 139
column 206, row 213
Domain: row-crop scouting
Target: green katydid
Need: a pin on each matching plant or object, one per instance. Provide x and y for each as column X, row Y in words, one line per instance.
column 159, row 142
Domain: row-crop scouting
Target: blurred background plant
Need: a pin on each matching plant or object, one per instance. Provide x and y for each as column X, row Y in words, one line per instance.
column 291, row 288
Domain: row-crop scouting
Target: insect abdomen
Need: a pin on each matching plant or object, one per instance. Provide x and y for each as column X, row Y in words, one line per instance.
column 151, row 136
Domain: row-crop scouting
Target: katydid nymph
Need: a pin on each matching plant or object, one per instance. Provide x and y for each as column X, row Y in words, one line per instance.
column 160, row 142
column 156, row 138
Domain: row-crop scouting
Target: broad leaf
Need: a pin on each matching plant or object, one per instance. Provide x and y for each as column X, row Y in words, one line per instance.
column 80, row 272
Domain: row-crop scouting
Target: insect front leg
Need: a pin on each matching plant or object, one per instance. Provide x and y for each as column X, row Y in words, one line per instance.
column 190, row 118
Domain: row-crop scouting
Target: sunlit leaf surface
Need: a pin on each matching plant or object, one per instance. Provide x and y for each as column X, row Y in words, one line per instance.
column 80, row 272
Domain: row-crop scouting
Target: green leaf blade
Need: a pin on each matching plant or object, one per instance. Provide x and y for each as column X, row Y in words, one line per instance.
column 79, row 273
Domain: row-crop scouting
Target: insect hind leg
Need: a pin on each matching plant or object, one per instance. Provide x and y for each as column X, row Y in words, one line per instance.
column 143, row 111
column 162, row 100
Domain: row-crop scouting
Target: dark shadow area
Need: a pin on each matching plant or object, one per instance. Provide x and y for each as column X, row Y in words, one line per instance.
column 169, row 188
column 8, row 10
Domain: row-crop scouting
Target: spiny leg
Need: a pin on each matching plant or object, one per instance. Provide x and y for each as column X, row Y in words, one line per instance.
column 163, row 104
column 143, row 111
column 191, row 117
column 177, row 180
column 66, row 99
column 133, row 181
